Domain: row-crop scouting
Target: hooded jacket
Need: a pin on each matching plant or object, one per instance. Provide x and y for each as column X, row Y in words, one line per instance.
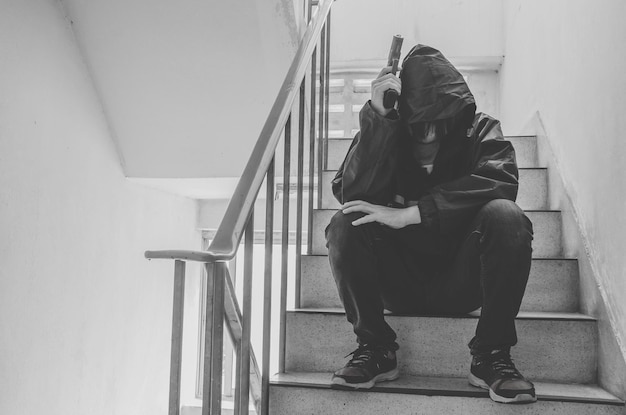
column 474, row 163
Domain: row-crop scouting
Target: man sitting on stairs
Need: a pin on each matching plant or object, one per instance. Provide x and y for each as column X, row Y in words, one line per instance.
column 429, row 225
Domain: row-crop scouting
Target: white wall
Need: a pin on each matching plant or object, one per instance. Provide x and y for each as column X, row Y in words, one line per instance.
column 565, row 62
column 84, row 318
column 362, row 29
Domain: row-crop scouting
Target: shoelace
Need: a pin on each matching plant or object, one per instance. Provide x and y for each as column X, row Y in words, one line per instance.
column 361, row 356
column 502, row 363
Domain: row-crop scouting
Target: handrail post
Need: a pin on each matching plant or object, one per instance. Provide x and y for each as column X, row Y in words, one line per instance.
column 176, row 355
column 285, row 248
column 321, row 128
column 267, row 289
column 326, row 95
column 242, row 394
column 213, row 341
column 229, row 347
column 309, row 248
column 299, row 193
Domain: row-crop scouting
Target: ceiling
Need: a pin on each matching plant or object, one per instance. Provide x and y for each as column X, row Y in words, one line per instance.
column 185, row 85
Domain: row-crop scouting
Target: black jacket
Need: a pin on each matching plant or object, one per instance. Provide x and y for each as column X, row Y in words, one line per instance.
column 474, row 163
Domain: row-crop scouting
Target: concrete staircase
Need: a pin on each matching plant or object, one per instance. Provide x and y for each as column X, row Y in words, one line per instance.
column 558, row 345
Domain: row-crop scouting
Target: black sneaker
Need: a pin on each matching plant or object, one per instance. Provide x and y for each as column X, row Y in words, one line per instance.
column 369, row 364
column 496, row 372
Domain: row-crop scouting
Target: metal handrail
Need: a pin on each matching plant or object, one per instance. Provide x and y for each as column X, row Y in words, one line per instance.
column 222, row 308
column 224, row 246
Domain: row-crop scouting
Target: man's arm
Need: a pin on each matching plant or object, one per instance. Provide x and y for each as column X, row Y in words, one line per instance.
column 367, row 170
column 494, row 175
column 450, row 205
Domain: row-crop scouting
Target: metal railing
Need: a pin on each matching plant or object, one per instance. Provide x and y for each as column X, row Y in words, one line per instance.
column 221, row 301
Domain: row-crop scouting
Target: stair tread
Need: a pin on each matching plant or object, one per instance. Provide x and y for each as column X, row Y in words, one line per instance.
column 455, row 386
column 519, row 168
column 506, row 137
column 553, row 350
column 525, row 210
column 554, row 258
column 522, row 315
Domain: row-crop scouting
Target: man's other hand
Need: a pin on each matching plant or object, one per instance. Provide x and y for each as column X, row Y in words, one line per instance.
column 393, row 217
column 385, row 80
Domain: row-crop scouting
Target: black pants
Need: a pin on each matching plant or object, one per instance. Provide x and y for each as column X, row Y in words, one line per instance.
column 376, row 268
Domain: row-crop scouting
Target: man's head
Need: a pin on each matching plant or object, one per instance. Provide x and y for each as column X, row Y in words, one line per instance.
column 435, row 99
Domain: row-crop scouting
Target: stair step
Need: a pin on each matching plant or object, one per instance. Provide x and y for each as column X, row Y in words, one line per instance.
column 552, row 285
column 559, row 347
column 525, row 149
column 532, row 195
column 309, row 393
column 546, row 225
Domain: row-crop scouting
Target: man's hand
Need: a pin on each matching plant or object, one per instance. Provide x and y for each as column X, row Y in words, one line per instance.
column 392, row 217
column 385, row 80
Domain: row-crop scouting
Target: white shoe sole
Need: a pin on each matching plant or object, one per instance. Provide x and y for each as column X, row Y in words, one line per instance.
column 381, row 377
column 521, row 398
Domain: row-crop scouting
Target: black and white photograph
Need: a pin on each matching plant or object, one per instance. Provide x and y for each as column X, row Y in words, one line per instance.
column 312, row 207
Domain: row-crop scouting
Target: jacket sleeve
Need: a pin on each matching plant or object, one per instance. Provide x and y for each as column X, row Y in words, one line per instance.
column 367, row 171
column 493, row 175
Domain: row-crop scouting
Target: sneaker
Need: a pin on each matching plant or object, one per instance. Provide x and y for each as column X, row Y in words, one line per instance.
column 368, row 365
column 496, row 372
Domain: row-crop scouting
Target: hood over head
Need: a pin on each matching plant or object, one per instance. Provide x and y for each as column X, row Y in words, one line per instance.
column 433, row 89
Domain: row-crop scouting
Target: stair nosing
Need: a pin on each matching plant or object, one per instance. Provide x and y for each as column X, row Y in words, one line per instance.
column 505, row 137
column 534, row 258
column 519, row 168
column 525, row 210
column 450, row 391
column 523, row 315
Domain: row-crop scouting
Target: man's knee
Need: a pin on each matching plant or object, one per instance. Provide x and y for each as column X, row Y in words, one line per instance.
column 504, row 221
column 341, row 230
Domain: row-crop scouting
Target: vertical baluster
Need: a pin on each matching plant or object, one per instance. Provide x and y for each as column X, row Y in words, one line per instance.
column 214, row 335
column 322, row 111
column 218, row 338
column 237, row 399
column 176, row 355
column 229, row 347
column 310, row 7
column 285, row 248
column 267, row 289
column 208, row 339
column 326, row 94
column 242, row 394
column 299, row 194
column 312, row 154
